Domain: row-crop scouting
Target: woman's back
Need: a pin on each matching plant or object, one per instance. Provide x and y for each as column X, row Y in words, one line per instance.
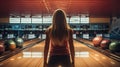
column 59, row 47
column 59, row 41
column 59, row 50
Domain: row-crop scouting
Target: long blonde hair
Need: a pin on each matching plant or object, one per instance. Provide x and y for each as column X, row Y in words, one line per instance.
column 59, row 30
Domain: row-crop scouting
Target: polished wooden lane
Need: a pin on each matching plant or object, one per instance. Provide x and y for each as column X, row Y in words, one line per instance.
column 27, row 43
column 91, row 58
column 84, row 57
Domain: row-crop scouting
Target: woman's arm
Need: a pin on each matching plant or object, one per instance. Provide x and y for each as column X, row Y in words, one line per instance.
column 72, row 51
column 46, row 47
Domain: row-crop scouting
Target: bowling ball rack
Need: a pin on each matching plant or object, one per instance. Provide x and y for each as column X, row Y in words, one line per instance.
column 9, row 54
column 108, row 53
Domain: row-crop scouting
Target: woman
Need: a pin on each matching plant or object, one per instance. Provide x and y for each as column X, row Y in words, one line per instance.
column 59, row 42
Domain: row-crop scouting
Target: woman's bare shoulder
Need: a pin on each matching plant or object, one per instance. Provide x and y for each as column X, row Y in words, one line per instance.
column 48, row 30
column 70, row 30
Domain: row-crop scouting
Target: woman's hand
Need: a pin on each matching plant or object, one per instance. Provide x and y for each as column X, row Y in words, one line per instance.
column 45, row 64
column 73, row 64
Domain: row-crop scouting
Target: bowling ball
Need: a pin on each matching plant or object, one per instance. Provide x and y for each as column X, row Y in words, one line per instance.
column 97, row 40
column 19, row 42
column 114, row 46
column 10, row 45
column 105, row 44
column 2, row 49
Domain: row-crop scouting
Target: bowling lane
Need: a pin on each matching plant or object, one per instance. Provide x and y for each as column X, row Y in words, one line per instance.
column 87, row 57
column 84, row 57
column 32, row 57
column 9, row 53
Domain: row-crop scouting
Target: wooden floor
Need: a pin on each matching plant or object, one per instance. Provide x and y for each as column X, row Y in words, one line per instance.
column 84, row 57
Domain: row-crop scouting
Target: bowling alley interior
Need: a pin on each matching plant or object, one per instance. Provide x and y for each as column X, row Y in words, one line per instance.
column 95, row 25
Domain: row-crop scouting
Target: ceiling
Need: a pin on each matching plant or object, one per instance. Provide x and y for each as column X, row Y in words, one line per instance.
column 95, row 8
